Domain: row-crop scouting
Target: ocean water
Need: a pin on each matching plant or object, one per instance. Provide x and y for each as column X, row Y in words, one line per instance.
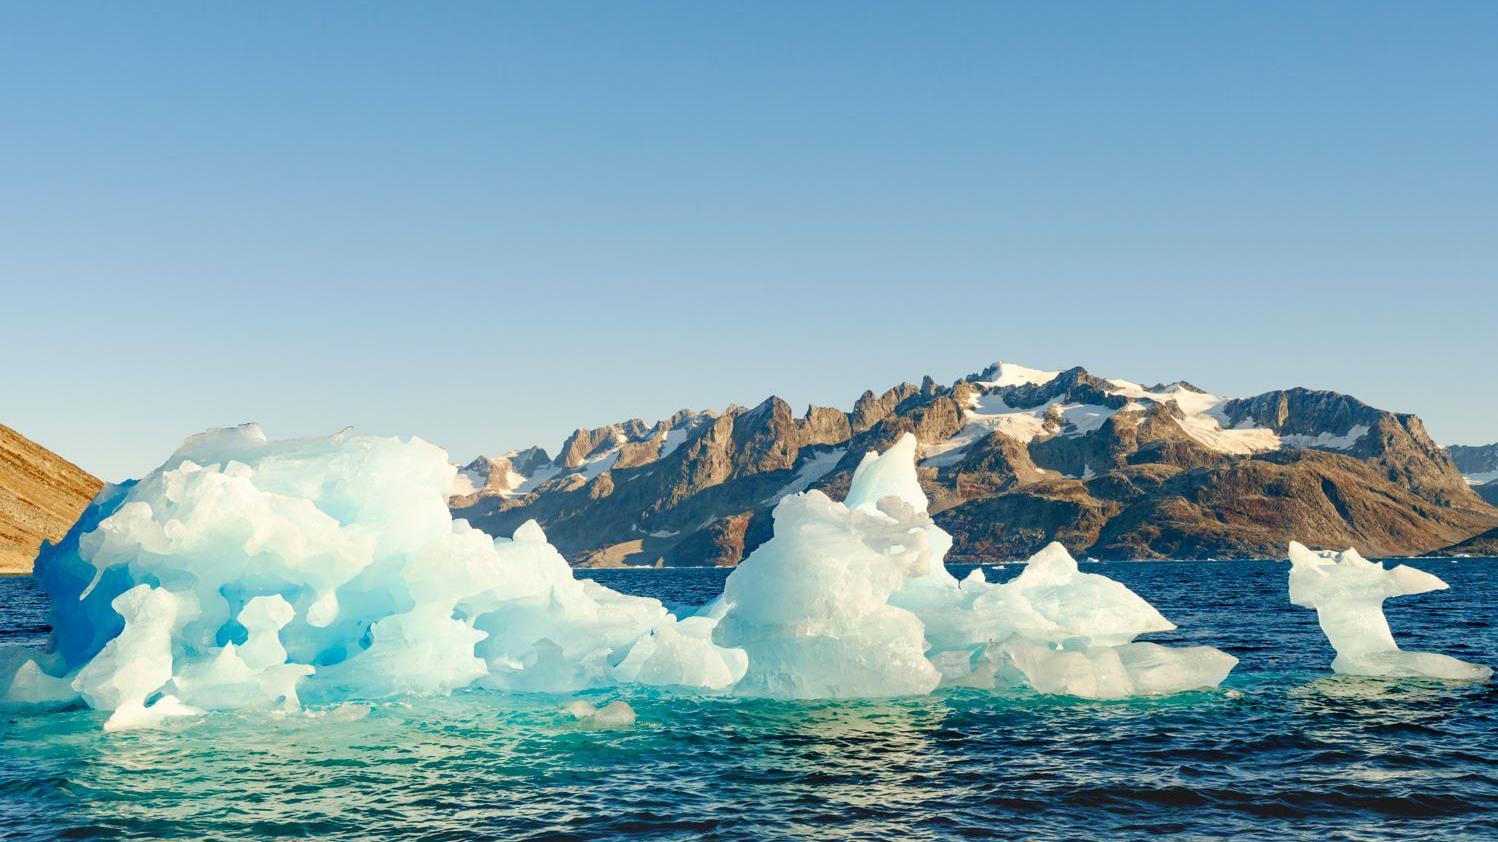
column 1285, row 750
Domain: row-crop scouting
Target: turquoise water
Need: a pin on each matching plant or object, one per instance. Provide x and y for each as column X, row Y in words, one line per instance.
column 1284, row 751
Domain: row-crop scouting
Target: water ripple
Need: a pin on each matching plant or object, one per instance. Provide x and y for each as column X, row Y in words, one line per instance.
column 1284, row 751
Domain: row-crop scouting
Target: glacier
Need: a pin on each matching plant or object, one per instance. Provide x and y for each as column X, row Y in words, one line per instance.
column 251, row 573
column 1347, row 592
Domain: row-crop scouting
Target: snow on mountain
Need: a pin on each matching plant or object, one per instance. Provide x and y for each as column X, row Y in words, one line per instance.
column 1012, row 457
column 1002, row 374
column 1200, row 414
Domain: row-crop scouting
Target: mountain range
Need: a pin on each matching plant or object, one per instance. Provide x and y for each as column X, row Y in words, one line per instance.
column 1012, row 458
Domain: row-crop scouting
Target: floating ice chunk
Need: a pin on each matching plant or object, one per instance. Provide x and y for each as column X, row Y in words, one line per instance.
column 852, row 599
column 1057, row 630
column 1109, row 672
column 31, row 685
column 811, row 605
column 1348, row 592
column 612, row 716
column 1051, row 600
column 682, row 653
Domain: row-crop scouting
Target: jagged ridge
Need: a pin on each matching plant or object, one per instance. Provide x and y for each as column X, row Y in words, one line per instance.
column 1012, row 459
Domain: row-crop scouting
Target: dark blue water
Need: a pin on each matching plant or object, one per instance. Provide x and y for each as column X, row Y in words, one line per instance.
column 1284, row 751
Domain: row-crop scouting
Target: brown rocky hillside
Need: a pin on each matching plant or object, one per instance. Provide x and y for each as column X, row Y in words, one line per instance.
column 41, row 494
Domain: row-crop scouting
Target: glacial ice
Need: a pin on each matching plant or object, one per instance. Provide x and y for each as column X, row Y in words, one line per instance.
column 249, row 573
column 852, row 599
column 1348, row 593
column 612, row 716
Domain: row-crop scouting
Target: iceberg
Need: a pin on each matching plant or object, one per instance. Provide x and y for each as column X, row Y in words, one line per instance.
column 812, row 605
column 1060, row 631
column 246, row 572
column 1348, row 591
column 852, row 599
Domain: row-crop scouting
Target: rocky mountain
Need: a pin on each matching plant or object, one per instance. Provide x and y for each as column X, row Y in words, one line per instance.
column 41, row 494
column 1485, row 544
column 1012, row 458
column 1480, row 467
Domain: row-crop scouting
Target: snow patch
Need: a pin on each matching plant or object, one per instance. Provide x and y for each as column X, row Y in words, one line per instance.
column 673, row 440
column 1002, row 374
column 812, row 470
column 1327, row 441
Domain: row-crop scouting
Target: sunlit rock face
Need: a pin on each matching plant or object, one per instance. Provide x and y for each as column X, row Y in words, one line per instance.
column 251, row 573
column 1348, row 593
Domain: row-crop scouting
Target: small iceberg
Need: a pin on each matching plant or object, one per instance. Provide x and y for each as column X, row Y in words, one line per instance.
column 615, row 715
column 1348, row 593
column 852, row 600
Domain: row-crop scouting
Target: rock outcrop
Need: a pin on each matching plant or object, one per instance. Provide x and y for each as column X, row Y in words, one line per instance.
column 41, row 494
column 1485, row 544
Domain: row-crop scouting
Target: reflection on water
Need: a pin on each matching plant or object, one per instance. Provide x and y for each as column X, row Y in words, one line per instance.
column 1284, row 751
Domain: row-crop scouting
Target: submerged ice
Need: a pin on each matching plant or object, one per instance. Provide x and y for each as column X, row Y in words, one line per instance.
column 253, row 573
column 1348, row 591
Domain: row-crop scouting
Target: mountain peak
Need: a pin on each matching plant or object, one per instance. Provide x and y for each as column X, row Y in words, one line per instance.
column 1003, row 374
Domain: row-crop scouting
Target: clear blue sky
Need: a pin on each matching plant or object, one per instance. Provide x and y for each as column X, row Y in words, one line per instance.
column 486, row 224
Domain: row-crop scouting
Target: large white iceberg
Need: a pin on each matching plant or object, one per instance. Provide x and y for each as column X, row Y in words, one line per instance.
column 1348, row 593
column 251, row 573
column 852, row 599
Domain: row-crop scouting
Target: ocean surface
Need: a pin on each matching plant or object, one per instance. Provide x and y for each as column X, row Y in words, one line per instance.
column 1285, row 750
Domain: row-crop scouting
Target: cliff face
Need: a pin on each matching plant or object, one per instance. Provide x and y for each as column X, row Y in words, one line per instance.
column 1479, row 465
column 1013, row 458
column 1475, row 460
column 41, row 494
